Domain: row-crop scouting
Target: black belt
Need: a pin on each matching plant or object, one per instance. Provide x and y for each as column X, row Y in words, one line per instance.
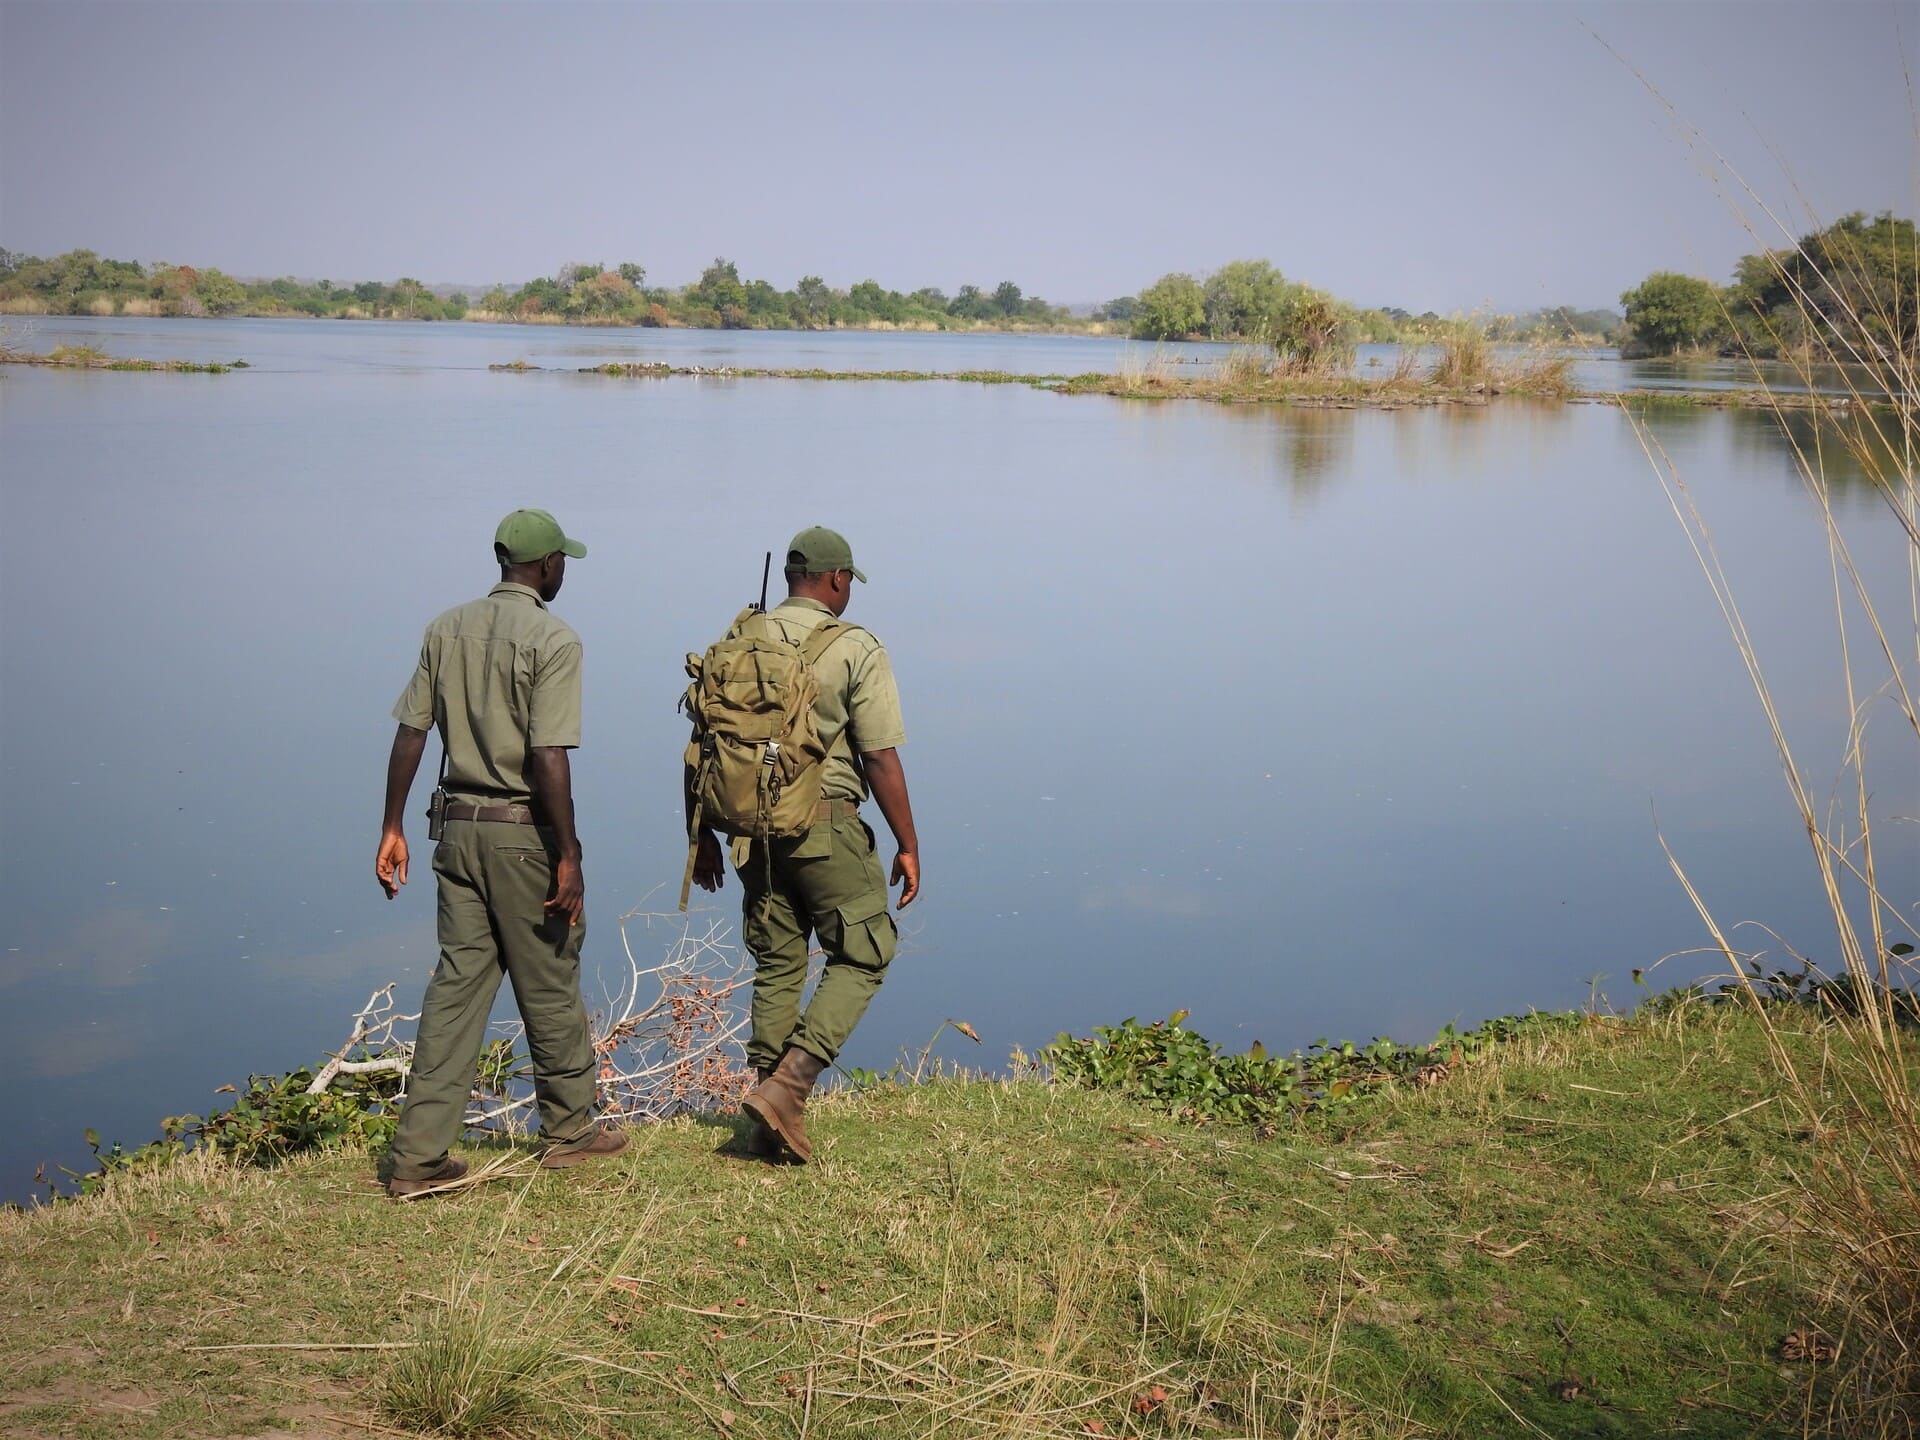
column 496, row 814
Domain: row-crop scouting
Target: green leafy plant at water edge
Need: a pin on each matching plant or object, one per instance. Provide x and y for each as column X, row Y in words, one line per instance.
column 1180, row 1071
column 272, row 1119
column 276, row 1118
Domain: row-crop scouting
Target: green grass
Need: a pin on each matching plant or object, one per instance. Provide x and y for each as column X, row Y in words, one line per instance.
column 1590, row 1214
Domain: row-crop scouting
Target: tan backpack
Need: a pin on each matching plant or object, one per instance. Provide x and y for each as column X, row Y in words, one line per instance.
column 755, row 752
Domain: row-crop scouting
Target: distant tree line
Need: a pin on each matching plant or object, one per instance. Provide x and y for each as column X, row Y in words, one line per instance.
column 1848, row 292
column 81, row 283
column 1247, row 301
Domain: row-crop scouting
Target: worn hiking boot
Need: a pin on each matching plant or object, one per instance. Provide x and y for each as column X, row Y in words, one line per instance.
column 601, row 1140
column 779, row 1102
column 449, row 1171
column 762, row 1143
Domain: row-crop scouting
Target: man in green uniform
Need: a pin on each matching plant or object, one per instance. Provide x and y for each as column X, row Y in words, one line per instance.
column 826, row 881
column 500, row 679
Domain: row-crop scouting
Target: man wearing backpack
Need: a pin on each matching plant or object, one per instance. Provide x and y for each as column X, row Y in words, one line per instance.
column 811, row 865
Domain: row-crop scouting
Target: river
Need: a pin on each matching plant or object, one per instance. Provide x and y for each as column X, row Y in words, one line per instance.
column 1313, row 722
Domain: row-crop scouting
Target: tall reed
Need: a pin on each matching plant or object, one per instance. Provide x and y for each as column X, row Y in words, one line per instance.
column 1857, row 1201
column 1466, row 356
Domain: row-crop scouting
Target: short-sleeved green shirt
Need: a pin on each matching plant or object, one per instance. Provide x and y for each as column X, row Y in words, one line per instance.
column 859, row 705
column 497, row 677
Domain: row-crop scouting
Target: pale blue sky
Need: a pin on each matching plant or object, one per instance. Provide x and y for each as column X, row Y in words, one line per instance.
column 1443, row 155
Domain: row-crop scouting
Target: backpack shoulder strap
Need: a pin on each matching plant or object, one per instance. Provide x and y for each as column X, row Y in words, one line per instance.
column 822, row 638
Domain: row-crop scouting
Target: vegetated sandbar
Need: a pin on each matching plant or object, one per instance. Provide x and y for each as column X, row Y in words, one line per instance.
column 86, row 357
column 1338, row 392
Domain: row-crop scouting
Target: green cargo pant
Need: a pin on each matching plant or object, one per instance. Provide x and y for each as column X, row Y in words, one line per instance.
column 827, row 881
column 494, row 882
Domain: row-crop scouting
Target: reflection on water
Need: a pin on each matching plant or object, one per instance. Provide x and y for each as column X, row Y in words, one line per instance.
column 1857, row 453
column 1313, row 721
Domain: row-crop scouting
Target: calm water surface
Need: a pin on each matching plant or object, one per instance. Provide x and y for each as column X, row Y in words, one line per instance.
column 1314, row 722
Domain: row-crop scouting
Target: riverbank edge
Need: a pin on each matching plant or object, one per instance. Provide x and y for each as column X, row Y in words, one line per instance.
column 1580, row 1231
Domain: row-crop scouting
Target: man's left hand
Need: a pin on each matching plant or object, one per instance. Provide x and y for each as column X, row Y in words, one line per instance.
column 906, row 874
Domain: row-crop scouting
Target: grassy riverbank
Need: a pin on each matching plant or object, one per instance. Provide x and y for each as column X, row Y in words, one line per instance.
column 1581, row 1233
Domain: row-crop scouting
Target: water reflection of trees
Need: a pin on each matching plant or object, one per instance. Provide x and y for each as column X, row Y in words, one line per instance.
column 1311, row 447
column 1853, row 454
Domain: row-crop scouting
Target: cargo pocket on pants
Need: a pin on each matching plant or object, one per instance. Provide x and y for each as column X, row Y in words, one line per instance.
column 867, row 933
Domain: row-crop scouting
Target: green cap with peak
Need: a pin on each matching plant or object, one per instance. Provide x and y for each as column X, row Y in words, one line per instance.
column 817, row 550
column 533, row 535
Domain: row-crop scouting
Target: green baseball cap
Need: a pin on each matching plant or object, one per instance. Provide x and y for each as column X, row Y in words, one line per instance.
column 817, row 550
column 534, row 535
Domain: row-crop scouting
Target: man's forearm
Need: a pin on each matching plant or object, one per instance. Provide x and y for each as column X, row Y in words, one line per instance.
column 552, row 775
column 403, row 762
column 888, row 781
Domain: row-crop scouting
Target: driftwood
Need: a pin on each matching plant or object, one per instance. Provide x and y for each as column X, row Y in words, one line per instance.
column 667, row 1039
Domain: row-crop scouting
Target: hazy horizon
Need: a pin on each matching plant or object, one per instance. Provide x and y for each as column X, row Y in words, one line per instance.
column 1433, row 157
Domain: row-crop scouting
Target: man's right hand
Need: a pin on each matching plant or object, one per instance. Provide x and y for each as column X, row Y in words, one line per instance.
column 709, row 864
column 569, row 891
column 390, row 864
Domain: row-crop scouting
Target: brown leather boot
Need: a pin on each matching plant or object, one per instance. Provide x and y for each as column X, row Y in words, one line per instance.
column 779, row 1102
column 762, row 1143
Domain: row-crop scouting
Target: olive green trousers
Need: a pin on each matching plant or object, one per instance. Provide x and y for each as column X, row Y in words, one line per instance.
column 494, row 881
column 826, row 882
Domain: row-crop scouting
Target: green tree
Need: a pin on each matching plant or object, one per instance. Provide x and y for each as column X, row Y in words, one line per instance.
column 874, row 302
column 1125, row 308
column 1668, row 312
column 634, row 275
column 766, row 306
column 1007, row 299
column 720, row 290
column 813, row 301
column 1843, row 293
column 221, row 294
column 1245, row 300
column 970, row 304
column 602, row 296
column 1171, row 308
